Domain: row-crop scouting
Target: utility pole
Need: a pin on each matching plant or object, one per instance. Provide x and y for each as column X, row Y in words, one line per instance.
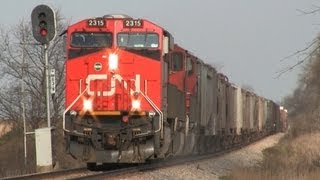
column 23, row 103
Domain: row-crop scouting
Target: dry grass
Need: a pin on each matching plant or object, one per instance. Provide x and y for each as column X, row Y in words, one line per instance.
column 5, row 127
column 267, row 175
column 12, row 153
column 297, row 156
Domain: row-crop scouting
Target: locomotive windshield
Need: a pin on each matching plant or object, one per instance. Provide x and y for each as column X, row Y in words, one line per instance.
column 138, row 40
column 91, row 39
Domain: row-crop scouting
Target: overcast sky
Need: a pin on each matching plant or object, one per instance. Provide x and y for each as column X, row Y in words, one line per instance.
column 246, row 39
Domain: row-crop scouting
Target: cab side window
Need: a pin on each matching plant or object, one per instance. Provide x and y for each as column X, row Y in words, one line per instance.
column 176, row 61
column 189, row 66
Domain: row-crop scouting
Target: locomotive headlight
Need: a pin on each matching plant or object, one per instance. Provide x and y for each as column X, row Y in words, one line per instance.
column 87, row 105
column 136, row 104
column 113, row 61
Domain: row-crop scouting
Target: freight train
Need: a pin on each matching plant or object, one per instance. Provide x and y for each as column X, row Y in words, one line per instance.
column 133, row 95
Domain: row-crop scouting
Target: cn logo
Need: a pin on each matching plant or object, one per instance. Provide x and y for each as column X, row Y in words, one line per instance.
column 113, row 80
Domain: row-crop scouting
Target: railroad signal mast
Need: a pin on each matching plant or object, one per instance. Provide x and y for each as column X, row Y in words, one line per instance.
column 44, row 30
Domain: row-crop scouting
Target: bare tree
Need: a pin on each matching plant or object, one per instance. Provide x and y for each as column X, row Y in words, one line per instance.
column 17, row 45
column 307, row 52
column 304, row 103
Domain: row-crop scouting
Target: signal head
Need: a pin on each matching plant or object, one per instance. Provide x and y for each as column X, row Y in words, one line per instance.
column 43, row 24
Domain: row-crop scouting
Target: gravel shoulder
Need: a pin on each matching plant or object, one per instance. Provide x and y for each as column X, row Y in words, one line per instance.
column 215, row 167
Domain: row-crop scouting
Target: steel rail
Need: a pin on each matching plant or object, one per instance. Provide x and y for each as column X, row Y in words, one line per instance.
column 51, row 174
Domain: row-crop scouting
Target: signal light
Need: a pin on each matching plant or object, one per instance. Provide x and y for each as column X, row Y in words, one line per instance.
column 43, row 24
column 42, row 15
column 43, row 31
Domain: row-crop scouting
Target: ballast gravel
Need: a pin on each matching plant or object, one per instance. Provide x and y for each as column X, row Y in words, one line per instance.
column 212, row 168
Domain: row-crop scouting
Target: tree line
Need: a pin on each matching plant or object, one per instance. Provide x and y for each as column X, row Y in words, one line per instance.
column 22, row 63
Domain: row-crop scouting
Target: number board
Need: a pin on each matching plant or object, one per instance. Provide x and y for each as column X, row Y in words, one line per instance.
column 98, row 22
column 132, row 23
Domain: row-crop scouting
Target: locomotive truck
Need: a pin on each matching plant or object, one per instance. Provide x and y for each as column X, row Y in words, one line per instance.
column 133, row 95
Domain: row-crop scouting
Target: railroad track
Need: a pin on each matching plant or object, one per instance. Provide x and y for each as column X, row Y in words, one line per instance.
column 162, row 164
column 54, row 174
column 114, row 171
column 153, row 165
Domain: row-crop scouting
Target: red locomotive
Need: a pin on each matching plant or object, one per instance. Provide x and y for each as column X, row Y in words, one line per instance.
column 133, row 95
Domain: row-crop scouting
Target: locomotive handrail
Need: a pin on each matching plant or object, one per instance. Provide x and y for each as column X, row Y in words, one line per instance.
column 158, row 111
column 69, row 107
